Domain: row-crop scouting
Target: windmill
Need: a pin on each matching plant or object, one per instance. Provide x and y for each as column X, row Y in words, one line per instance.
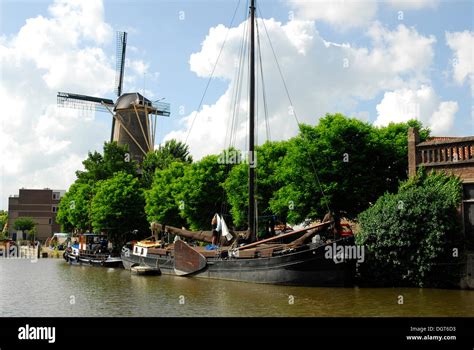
column 134, row 117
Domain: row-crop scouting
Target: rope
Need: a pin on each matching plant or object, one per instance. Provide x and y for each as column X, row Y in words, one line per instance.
column 234, row 107
column 213, row 71
column 264, row 95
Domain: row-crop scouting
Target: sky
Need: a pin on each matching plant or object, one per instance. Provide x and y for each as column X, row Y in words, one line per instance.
column 379, row 61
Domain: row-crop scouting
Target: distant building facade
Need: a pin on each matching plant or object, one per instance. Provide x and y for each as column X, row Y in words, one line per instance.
column 41, row 205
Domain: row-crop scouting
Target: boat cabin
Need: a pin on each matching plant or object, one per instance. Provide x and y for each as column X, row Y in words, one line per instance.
column 92, row 243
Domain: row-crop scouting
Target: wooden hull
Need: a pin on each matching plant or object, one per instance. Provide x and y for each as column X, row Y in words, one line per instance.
column 307, row 267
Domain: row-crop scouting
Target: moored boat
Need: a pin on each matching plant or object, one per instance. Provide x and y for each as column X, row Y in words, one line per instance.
column 308, row 257
column 92, row 249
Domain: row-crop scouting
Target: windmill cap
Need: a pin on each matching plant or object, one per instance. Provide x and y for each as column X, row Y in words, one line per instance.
column 127, row 101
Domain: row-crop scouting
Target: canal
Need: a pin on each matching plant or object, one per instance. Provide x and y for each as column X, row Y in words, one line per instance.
column 50, row 287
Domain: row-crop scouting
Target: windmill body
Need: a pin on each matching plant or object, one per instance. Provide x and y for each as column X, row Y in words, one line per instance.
column 134, row 117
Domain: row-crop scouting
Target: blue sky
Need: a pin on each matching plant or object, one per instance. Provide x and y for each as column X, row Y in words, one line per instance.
column 416, row 66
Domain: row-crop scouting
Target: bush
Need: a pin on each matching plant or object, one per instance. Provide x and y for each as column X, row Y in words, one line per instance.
column 23, row 224
column 408, row 235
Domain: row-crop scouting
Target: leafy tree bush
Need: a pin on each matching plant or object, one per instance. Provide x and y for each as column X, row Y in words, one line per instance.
column 3, row 218
column 75, row 208
column 200, row 192
column 269, row 159
column 74, row 212
column 354, row 162
column 162, row 158
column 117, row 208
column 161, row 203
column 408, row 234
column 103, row 166
column 24, row 224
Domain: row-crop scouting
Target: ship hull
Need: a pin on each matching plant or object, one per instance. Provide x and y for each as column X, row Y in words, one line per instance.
column 78, row 260
column 306, row 267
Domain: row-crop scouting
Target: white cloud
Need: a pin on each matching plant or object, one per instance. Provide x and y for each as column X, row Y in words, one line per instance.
column 462, row 45
column 422, row 104
column 43, row 145
column 341, row 14
column 442, row 119
column 322, row 77
column 403, row 49
column 413, row 4
column 87, row 16
column 138, row 66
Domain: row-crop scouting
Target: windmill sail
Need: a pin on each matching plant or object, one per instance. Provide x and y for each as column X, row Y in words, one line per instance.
column 77, row 101
column 121, row 48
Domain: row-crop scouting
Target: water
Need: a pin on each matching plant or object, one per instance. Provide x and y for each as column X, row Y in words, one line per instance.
column 50, row 287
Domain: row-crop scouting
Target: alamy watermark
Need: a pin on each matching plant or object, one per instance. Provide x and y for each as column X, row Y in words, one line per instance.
column 340, row 253
column 37, row 333
column 238, row 157
column 19, row 252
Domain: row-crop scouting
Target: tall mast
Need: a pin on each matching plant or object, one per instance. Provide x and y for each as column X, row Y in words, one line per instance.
column 252, row 155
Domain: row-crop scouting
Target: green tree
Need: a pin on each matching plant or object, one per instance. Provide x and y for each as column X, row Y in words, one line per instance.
column 408, row 234
column 269, row 157
column 3, row 219
column 75, row 208
column 24, row 224
column 118, row 208
column 103, row 166
column 74, row 211
column 162, row 158
column 3, row 222
column 349, row 161
column 200, row 191
column 32, row 234
column 394, row 139
column 161, row 203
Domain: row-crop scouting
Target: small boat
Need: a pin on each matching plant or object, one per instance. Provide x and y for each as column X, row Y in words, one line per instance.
column 59, row 240
column 92, row 249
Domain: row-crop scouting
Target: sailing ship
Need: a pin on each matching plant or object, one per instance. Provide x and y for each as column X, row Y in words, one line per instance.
column 91, row 249
column 299, row 257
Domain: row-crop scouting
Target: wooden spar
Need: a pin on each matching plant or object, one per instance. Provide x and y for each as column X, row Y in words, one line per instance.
column 204, row 236
column 251, row 170
column 147, row 128
column 145, row 136
column 154, row 129
column 284, row 235
column 307, row 235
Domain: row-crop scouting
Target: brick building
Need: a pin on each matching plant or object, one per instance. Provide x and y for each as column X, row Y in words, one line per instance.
column 454, row 155
column 39, row 205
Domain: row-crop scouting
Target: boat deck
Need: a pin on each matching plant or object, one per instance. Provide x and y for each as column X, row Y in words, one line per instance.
column 263, row 250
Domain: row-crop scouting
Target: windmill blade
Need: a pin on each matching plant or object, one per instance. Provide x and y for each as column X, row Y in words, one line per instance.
column 120, row 61
column 77, row 101
column 161, row 108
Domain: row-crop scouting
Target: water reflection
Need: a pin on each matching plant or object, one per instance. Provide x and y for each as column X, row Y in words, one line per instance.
column 51, row 287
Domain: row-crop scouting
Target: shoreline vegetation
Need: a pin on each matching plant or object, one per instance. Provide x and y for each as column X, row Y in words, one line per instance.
column 360, row 174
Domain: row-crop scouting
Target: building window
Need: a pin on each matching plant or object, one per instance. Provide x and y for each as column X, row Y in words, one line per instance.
column 50, row 221
column 55, row 209
column 56, row 195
